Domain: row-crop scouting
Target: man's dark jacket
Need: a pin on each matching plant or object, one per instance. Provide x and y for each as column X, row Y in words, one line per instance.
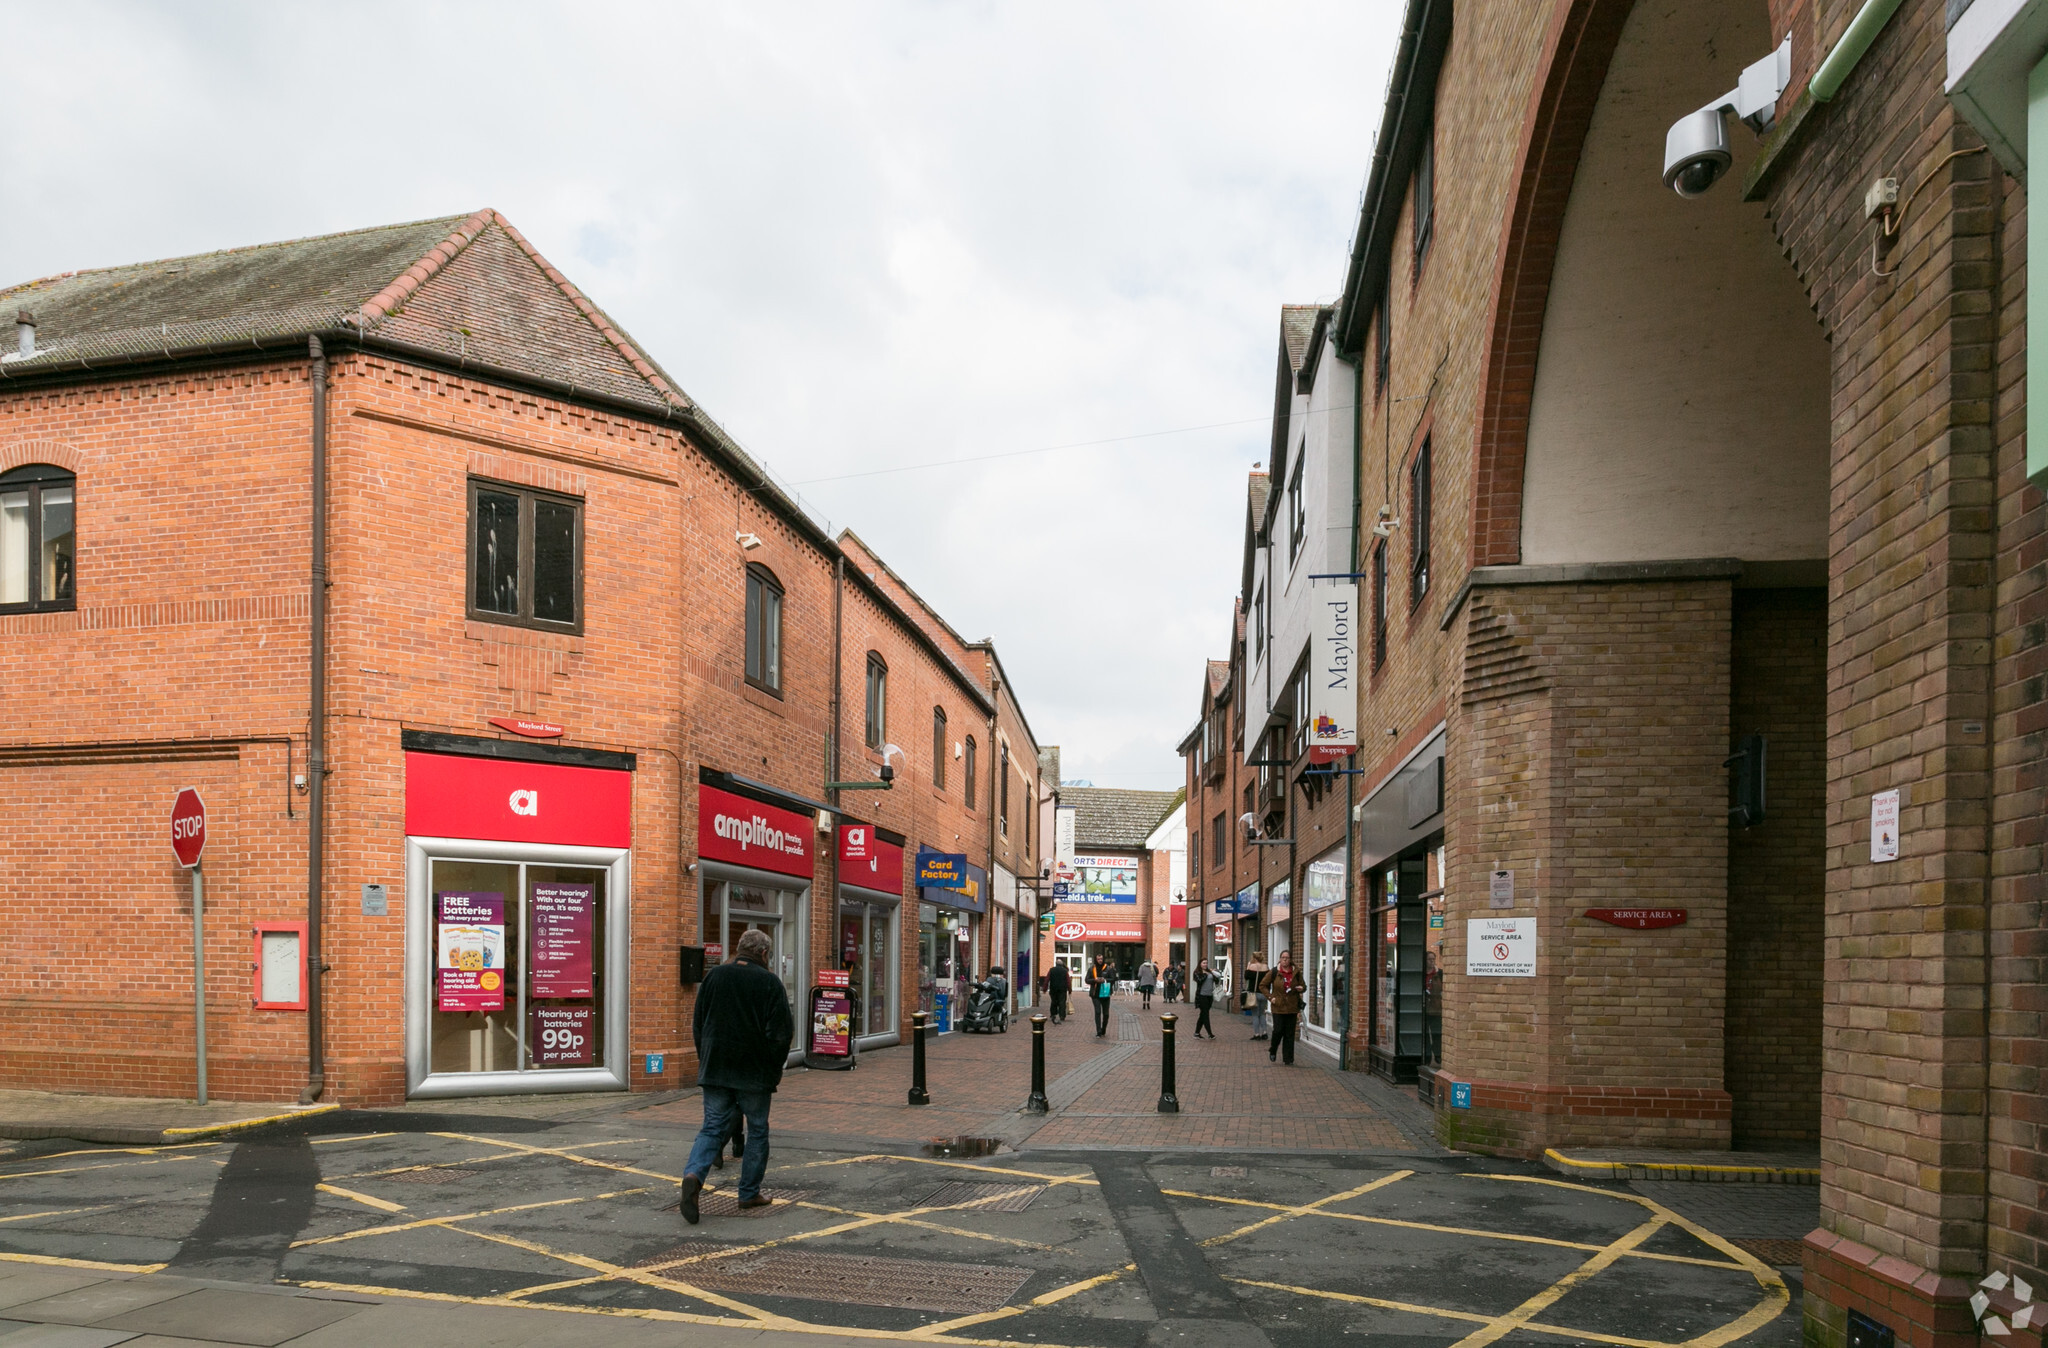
column 1059, row 980
column 743, row 1028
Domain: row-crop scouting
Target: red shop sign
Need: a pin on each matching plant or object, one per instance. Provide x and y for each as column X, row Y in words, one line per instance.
column 869, row 860
column 506, row 800
column 747, row 833
column 1098, row 931
column 1638, row 918
column 537, row 730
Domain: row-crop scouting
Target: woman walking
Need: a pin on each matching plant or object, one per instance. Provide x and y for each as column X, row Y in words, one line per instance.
column 1148, row 978
column 1284, row 989
column 1205, row 998
column 1255, row 994
column 1101, row 983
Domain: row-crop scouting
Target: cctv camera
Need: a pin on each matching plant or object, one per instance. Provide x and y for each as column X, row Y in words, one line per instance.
column 1696, row 152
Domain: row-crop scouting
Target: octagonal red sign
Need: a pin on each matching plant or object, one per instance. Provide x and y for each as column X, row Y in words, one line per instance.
column 188, row 827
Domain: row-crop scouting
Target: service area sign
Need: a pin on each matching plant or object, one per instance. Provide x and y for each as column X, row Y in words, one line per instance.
column 1500, row 947
column 188, row 827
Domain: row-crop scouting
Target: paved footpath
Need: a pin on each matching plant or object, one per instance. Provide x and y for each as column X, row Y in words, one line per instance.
column 1283, row 1207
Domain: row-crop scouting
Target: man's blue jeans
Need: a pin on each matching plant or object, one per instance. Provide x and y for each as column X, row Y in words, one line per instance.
column 719, row 1104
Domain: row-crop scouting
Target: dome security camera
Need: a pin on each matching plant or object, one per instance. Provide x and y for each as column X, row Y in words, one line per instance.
column 1696, row 152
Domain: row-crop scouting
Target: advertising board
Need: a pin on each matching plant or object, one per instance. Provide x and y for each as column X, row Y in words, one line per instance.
column 1100, row 879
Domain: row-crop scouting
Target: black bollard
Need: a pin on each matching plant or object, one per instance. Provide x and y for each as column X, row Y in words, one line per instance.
column 1037, row 1104
column 1169, row 1103
column 918, row 1094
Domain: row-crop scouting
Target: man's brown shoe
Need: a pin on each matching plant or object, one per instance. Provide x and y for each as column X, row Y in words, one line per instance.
column 757, row 1201
column 692, row 1186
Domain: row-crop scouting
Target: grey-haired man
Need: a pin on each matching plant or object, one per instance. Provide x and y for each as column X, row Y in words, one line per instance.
column 743, row 1030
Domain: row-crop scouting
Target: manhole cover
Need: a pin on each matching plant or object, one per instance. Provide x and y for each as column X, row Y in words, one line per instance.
column 985, row 1197
column 726, row 1202
column 432, row 1174
column 1227, row 1172
column 1775, row 1251
column 962, row 1146
column 848, row 1279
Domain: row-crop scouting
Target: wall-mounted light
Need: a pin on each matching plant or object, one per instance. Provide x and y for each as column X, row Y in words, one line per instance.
column 747, row 542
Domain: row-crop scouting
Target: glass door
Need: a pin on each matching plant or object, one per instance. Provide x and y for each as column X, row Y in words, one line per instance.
column 735, row 907
column 867, row 953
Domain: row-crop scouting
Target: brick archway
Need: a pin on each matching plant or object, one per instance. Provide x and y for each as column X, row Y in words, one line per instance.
column 53, row 452
column 1581, row 42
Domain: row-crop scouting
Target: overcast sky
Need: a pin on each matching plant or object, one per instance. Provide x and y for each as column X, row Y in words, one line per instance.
column 864, row 236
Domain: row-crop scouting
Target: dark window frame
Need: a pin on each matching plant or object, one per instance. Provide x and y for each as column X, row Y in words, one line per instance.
column 1421, row 492
column 1297, row 510
column 877, row 701
column 1423, row 195
column 1003, row 791
column 967, row 773
column 939, row 747
column 35, row 479
column 761, row 581
column 1219, row 840
column 1383, row 348
column 529, row 499
column 1379, row 605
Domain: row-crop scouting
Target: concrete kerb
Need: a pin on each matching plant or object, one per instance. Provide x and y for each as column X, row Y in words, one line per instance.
column 1645, row 1165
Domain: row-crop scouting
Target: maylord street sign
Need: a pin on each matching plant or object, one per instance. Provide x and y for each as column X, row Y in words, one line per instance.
column 188, row 827
column 1332, row 696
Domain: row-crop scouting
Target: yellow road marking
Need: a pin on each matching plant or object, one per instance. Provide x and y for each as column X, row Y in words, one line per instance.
column 120, row 1151
column 1504, row 1325
column 55, row 1212
column 458, row 1217
column 1305, row 1208
column 1533, row 1326
column 53, row 1261
column 217, row 1129
column 1451, row 1230
column 616, row 1271
column 1607, row 1169
column 565, row 1154
column 352, row 1137
column 473, row 1160
column 1057, row 1294
column 382, row 1205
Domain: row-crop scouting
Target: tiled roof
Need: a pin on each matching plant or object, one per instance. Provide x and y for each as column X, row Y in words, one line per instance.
column 1297, row 321
column 465, row 288
column 1108, row 816
column 1219, row 674
column 1260, row 488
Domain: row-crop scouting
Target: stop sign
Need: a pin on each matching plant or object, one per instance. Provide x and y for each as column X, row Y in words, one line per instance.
column 188, row 827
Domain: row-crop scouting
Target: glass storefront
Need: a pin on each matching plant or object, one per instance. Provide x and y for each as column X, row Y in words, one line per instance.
column 1328, row 953
column 1408, row 926
column 737, row 902
column 867, row 938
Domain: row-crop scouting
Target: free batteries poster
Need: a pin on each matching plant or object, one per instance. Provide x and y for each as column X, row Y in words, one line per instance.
column 562, row 920
column 469, row 933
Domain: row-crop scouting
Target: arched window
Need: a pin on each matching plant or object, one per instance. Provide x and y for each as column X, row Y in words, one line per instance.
column 38, row 539
column 939, row 747
column 967, row 773
column 764, row 629
column 878, row 701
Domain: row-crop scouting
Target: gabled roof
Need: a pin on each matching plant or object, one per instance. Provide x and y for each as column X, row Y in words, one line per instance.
column 1256, row 492
column 1109, row 816
column 466, row 289
column 1219, row 676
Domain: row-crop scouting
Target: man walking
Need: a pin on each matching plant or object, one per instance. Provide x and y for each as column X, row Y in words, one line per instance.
column 743, row 1030
column 1205, row 998
column 1284, row 987
column 1059, row 986
column 1148, row 978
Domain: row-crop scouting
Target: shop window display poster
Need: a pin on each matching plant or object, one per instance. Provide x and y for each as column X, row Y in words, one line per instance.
column 563, row 925
column 831, row 1022
column 562, row 1036
column 470, row 937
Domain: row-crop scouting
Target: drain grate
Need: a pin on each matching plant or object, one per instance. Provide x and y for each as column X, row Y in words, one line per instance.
column 1775, row 1251
column 726, row 1202
column 433, row 1174
column 985, row 1197
column 848, row 1279
column 963, row 1146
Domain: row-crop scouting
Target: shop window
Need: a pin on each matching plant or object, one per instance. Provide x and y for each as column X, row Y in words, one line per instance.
column 878, row 701
column 525, row 557
column 764, row 630
column 1425, row 194
column 967, row 773
column 1379, row 604
column 867, row 954
column 38, row 539
column 1297, row 512
column 733, row 908
column 939, row 747
column 1418, row 526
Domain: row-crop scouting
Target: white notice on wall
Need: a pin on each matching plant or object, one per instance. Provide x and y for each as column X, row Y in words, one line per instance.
column 1500, row 947
column 1884, row 826
column 1500, row 890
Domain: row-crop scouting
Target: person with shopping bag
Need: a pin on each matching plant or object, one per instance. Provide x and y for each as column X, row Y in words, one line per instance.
column 1255, row 995
column 1101, row 983
column 1285, row 988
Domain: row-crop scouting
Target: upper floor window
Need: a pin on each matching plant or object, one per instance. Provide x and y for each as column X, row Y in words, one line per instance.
column 1383, row 345
column 1003, row 792
column 939, row 747
column 878, row 701
column 1379, row 604
column 1418, row 525
column 1259, row 620
column 525, row 557
column 764, row 630
column 1297, row 511
column 38, row 539
column 1298, row 713
column 1425, row 193
column 1218, row 837
column 967, row 773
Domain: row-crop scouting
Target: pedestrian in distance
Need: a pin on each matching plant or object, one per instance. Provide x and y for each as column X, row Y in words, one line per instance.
column 1148, row 979
column 1255, row 995
column 742, row 1031
column 1101, row 983
column 1284, row 989
column 1059, row 985
column 1205, row 999
column 1174, row 977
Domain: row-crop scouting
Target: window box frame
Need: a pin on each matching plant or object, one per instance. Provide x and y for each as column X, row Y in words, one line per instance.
column 527, row 497
column 761, row 575
column 50, row 475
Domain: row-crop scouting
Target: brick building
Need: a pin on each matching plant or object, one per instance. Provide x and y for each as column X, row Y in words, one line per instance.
column 1660, row 497
column 504, row 673
column 1113, row 895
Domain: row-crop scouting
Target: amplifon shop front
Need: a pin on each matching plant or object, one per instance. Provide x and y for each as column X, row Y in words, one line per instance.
column 518, row 875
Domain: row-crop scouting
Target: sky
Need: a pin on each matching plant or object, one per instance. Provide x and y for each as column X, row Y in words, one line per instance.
column 864, row 236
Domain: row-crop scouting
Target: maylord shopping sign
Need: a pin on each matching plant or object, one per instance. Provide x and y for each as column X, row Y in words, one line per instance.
column 1332, row 695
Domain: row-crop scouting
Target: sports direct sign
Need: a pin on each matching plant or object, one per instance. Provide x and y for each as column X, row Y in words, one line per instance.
column 748, row 833
column 188, row 827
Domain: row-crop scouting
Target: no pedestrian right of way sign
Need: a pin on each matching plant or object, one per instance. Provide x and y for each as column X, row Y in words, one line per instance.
column 1500, row 947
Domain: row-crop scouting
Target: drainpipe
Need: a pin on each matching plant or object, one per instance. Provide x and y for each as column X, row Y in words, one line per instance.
column 995, row 771
column 1827, row 81
column 316, row 736
column 838, row 670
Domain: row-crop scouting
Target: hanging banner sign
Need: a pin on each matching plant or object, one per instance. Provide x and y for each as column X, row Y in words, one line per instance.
column 1638, row 918
column 562, row 1036
column 1500, row 947
column 1332, row 694
column 563, row 919
column 470, row 938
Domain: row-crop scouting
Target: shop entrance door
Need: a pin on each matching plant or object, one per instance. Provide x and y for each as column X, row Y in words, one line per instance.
column 733, row 908
column 867, row 953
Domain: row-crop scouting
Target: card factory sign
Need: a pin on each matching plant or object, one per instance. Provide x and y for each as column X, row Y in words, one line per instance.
column 1332, row 697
